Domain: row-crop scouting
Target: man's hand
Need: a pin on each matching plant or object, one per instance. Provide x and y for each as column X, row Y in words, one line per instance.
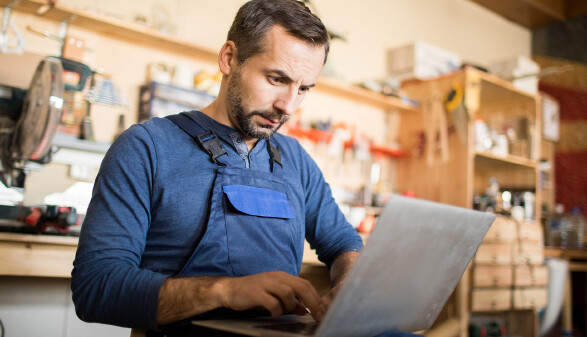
column 278, row 292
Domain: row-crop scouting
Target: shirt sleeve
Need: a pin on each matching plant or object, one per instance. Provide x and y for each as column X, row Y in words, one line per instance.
column 108, row 285
column 327, row 229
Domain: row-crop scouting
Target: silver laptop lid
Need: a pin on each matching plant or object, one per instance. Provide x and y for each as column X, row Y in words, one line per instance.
column 411, row 264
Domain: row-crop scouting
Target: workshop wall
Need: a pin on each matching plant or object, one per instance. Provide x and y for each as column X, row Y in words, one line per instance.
column 370, row 28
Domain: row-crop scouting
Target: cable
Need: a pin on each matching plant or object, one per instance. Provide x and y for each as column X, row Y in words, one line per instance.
column 1, row 329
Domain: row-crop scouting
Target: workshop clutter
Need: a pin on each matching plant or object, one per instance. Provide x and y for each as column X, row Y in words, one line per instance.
column 503, row 136
column 182, row 76
column 357, row 168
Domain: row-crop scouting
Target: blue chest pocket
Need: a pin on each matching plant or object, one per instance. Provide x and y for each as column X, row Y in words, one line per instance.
column 259, row 201
column 260, row 229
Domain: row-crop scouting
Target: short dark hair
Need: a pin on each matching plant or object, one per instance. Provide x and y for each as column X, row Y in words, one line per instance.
column 255, row 18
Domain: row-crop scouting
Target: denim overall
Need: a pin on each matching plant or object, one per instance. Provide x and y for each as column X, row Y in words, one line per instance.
column 252, row 226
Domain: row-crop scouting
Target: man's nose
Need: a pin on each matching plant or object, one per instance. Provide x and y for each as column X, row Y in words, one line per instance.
column 287, row 101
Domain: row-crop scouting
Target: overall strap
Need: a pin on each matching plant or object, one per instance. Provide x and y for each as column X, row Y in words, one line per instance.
column 274, row 155
column 207, row 140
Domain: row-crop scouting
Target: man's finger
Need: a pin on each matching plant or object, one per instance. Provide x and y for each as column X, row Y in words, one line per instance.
column 304, row 290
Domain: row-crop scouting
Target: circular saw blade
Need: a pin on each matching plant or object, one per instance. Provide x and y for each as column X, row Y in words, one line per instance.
column 41, row 111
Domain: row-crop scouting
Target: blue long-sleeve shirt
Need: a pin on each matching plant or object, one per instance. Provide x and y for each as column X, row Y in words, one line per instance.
column 150, row 206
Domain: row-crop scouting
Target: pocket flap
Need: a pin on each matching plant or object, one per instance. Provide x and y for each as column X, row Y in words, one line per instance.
column 259, row 201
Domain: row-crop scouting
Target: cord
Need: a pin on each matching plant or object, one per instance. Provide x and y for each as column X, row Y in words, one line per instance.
column 1, row 329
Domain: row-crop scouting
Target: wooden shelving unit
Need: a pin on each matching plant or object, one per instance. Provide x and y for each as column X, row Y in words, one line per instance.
column 454, row 180
column 143, row 35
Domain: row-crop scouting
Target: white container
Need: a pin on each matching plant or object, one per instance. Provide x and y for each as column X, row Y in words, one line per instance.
column 420, row 60
column 522, row 71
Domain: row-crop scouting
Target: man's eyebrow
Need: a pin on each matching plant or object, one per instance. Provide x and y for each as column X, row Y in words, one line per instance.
column 282, row 74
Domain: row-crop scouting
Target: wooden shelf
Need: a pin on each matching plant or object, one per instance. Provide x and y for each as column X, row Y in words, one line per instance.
column 495, row 89
column 116, row 28
column 535, row 13
column 507, row 160
column 39, row 238
column 140, row 34
column 363, row 95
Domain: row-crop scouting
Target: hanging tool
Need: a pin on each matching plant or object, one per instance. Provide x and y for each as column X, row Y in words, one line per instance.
column 454, row 105
column 436, row 127
column 8, row 44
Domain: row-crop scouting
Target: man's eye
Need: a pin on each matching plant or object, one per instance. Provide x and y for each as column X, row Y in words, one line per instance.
column 275, row 79
column 304, row 90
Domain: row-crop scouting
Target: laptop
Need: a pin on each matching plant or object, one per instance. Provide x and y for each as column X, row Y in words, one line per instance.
column 412, row 262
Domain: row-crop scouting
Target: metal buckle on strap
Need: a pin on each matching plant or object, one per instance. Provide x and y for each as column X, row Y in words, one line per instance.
column 209, row 141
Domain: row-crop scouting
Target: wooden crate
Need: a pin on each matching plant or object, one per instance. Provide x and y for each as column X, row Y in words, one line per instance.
column 528, row 253
column 531, row 297
column 527, row 276
column 502, row 230
column 494, row 254
column 491, row 299
column 492, row 276
column 531, row 232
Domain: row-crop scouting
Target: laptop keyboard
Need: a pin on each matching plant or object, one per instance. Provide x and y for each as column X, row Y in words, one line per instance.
column 307, row 329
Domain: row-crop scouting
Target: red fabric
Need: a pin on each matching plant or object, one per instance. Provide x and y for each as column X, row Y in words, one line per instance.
column 570, row 167
column 572, row 103
column 571, row 180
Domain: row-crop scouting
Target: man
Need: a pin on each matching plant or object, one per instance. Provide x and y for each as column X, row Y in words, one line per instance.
column 210, row 209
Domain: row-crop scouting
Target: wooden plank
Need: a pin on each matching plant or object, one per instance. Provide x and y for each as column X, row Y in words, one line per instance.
column 528, row 13
column 36, row 259
column 553, row 8
column 363, row 95
column 33, row 238
column 572, row 254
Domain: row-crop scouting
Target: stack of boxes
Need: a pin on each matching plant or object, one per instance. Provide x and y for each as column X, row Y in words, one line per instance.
column 508, row 270
column 520, row 70
column 420, row 60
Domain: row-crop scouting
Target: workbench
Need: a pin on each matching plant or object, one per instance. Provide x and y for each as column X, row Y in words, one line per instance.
column 37, row 255
column 52, row 255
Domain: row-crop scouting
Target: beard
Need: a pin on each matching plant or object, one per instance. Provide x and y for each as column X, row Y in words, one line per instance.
column 244, row 120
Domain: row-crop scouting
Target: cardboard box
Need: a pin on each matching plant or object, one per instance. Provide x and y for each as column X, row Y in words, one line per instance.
column 420, row 60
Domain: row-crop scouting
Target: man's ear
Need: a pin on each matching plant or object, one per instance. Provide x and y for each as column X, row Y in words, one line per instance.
column 227, row 57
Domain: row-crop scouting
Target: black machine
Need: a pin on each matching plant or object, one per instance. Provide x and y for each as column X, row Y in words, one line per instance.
column 28, row 122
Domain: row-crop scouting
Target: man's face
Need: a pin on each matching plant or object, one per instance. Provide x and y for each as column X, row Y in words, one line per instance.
column 264, row 92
